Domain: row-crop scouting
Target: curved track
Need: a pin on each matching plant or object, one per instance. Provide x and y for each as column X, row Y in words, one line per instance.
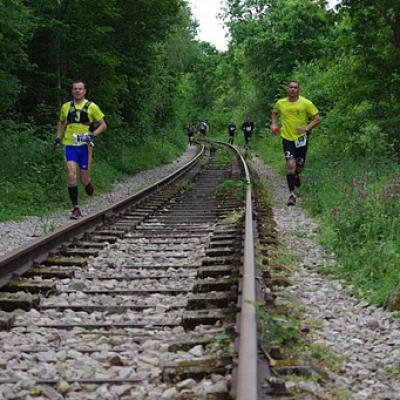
column 140, row 302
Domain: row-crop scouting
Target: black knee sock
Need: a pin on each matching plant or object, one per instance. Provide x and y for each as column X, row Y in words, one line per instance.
column 73, row 195
column 291, row 178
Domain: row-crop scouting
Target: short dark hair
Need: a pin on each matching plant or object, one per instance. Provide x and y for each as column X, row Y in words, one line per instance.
column 293, row 81
column 79, row 81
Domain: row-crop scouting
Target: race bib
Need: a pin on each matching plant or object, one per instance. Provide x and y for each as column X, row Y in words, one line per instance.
column 248, row 128
column 301, row 141
column 77, row 139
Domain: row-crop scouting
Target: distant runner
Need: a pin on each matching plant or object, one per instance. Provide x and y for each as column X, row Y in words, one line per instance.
column 231, row 132
column 190, row 132
column 203, row 128
column 247, row 128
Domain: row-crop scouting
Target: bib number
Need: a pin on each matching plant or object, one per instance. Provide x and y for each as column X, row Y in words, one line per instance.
column 80, row 140
column 301, row 141
column 76, row 140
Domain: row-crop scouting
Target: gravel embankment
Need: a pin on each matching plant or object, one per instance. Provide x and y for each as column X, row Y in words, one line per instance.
column 367, row 337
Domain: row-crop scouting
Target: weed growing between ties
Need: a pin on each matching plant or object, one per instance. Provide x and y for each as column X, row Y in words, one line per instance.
column 278, row 328
column 233, row 188
column 187, row 184
column 234, row 216
column 222, row 342
column 224, row 157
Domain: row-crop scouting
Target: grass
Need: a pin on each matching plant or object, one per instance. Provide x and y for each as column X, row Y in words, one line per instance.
column 233, row 217
column 33, row 177
column 324, row 357
column 278, row 328
column 222, row 342
column 357, row 201
column 289, row 259
column 233, row 188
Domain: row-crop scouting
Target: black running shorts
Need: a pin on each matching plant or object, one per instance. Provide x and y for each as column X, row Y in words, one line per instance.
column 294, row 153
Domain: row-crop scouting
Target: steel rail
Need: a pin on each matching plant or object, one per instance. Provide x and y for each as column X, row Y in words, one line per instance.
column 18, row 261
column 247, row 370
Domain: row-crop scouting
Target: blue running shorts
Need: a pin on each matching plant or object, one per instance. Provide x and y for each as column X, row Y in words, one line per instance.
column 78, row 154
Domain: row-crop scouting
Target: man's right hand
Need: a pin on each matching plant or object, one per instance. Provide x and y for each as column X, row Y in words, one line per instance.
column 57, row 142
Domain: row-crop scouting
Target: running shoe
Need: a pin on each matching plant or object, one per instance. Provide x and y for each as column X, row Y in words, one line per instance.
column 75, row 213
column 291, row 200
column 89, row 189
column 297, row 181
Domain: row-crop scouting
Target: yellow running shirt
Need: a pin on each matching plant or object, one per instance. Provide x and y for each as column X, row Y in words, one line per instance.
column 94, row 114
column 294, row 114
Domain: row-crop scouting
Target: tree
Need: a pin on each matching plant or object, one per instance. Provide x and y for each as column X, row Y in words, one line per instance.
column 16, row 24
column 275, row 36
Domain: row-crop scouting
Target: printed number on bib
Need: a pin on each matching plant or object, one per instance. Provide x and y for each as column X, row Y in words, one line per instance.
column 82, row 139
column 77, row 140
column 301, row 141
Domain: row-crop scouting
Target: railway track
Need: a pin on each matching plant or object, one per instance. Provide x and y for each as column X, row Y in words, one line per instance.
column 140, row 301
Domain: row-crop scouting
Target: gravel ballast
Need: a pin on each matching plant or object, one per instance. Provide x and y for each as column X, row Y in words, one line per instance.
column 367, row 337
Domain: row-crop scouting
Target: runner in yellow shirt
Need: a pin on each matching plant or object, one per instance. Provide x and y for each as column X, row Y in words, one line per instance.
column 79, row 123
column 294, row 117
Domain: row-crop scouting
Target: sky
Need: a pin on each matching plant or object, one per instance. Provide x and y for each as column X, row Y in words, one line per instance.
column 211, row 28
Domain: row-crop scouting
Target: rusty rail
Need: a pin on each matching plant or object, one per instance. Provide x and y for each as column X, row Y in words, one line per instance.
column 247, row 371
column 18, row 261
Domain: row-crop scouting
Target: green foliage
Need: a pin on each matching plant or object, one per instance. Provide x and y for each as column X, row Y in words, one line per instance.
column 323, row 355
column 131, row 53
column 347, row 126
column 224, row 156
column 223, row 342
column 16, row 25
column 359, row 206
column 33, row 177
column 357, row 198
column 30, row 173
column 233, row 188
column 272, row 44
column 278, row 327
column 151, row 78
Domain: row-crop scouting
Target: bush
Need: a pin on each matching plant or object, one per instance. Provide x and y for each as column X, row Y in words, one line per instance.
column 33, row 177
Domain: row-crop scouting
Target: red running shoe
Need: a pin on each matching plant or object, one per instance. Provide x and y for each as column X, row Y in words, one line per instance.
column 297, row 181
column 291, row 200
column 89, row 189
column 75, row 213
